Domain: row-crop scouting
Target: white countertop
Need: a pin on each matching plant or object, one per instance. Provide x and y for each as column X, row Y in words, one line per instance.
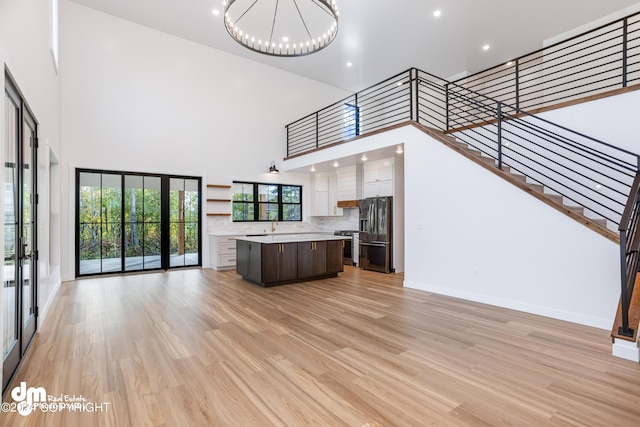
column 257, row 233
column 288, row 238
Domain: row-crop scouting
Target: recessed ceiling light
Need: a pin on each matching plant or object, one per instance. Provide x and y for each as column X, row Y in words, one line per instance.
column 215, row 12
column 486, row 47
column 349, row 64
column 285, row 39
column 437, row 13
column 364, row 158
column 399, row 150
column 509, row 64
column 336, row 164
column 313, row 168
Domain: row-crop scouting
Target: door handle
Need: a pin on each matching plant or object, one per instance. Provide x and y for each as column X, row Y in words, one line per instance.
column 24, row 251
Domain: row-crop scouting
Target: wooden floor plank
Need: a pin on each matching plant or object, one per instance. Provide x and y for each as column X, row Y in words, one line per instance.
column 200, row 347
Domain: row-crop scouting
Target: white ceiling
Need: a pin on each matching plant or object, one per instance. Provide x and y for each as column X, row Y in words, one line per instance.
column 382, row 38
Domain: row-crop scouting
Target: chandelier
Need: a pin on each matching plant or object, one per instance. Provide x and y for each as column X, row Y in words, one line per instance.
column 282, row 27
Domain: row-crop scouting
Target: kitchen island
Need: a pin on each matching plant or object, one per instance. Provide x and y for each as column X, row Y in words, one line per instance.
column 281, row 259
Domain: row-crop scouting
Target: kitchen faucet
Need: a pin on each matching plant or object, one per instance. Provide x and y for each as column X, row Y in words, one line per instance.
column 274, row 222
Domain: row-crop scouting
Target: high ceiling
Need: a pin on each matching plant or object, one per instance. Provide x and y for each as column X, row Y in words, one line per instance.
column 382, row 38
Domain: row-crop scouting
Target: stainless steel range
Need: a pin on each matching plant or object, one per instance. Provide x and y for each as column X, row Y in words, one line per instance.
column 350, row 255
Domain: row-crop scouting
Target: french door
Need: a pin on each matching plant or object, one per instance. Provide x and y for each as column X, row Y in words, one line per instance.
column 20, row 249
column 132, row 221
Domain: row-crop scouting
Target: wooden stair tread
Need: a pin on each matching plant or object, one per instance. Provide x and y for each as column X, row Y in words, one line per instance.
column 599, row 221
column 578, row 209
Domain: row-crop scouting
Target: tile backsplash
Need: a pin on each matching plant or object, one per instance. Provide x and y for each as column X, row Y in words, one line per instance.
column 348, row 221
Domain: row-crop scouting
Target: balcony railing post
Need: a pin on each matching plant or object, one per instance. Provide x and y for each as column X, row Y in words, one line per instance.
column 446, row 105
column 518, row 84
column 357, row 112
column 317, row 131
column 500, row 135
column 287, row 128
column 625, row 29
column 411, row 98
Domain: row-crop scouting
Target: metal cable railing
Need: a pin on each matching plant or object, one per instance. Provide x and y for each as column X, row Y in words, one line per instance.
column 588, row 64
column 377, row 107
column 587, row 172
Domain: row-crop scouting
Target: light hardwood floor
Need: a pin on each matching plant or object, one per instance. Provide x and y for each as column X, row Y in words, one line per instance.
column 205, row 348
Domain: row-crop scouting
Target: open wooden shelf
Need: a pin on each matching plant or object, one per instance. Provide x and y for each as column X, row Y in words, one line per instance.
column 216, row 187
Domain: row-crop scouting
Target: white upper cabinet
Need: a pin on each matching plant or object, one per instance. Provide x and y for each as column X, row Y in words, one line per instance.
column 378, row 178
column 324, row 196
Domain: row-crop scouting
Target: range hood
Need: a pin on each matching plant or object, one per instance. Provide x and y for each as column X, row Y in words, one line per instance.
column 348, row 203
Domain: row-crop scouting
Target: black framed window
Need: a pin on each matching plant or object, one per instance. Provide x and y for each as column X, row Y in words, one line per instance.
column 291, row 202
column 254, row 201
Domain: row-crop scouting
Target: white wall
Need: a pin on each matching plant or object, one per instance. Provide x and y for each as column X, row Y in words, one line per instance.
column 612, row 120
column 135, row 99
column 25, row 51
column 471, row 235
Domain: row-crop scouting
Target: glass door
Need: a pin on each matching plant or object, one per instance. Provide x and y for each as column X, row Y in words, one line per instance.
column 184, row 221
column 142, row 213
column 133, row 221
column 20, row 249
column 11, row 337
column 27, row 235
column 100, row 224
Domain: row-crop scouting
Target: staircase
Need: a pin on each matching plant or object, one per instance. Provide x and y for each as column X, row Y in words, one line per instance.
column 599, row 225
column 627, row 321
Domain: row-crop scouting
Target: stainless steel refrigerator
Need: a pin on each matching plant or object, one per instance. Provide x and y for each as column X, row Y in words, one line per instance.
column 376, row 234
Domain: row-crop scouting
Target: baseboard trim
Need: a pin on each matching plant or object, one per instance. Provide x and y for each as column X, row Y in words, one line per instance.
column 567, row 316
column 42, row 314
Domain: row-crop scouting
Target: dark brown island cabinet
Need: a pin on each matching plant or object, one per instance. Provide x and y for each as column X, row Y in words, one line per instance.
column 278, row 260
